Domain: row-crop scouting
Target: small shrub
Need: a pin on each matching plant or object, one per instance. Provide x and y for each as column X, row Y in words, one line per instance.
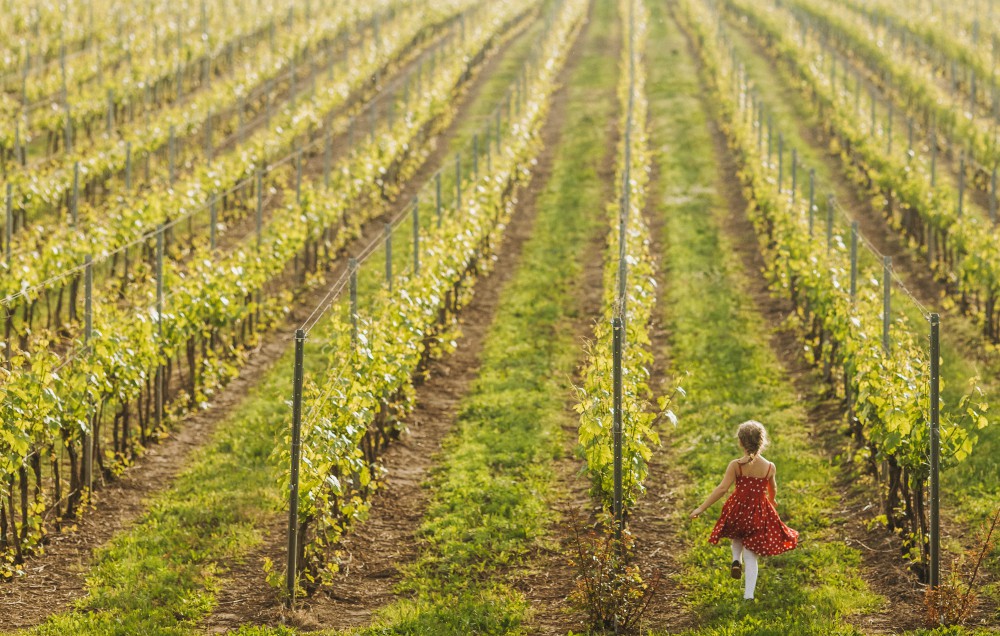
column 952, row 601
column 609, row 584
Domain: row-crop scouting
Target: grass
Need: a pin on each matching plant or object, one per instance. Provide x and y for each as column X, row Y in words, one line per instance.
column 492, row 491
column 970, row 490
column 159, row 576
column 719, row 350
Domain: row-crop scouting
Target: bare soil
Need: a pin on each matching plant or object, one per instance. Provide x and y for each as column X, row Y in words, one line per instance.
column 376, row 551
column 55, row 579
column 551, row 576
column 658, row 514
column 883, row 569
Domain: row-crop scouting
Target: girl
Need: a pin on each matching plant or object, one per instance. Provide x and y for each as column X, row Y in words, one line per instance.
column 748, row 517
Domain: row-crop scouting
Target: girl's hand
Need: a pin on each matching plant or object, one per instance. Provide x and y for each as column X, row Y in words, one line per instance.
column 696, row 514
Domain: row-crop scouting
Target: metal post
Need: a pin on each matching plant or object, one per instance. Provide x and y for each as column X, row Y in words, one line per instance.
column 388, row 255
column 854, row 260
column 88, row 332
column 935, row 529
column 886, row 300
column 291, row 573
column 416, row 236
column 159, row 323
column 616, row 327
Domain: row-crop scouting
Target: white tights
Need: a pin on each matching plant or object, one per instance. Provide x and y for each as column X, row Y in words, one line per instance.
column 749, row 567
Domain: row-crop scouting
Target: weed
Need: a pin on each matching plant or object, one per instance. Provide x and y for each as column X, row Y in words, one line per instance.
column 610, row 588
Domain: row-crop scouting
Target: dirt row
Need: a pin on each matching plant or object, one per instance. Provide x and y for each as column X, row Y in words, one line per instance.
column 375, row 551
column 883, row 569
column 54, row 580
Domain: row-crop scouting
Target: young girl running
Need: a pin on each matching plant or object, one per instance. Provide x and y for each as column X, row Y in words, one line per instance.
column 749, row 518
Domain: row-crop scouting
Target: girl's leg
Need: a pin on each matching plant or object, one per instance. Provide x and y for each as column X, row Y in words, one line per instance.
column 737, row 546
column 750, row 573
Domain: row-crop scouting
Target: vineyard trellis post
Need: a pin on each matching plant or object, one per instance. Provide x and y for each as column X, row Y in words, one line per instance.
column 935, row 439
column 293, row 486
column 616, row 328
column 159, row 323
column 88, row 332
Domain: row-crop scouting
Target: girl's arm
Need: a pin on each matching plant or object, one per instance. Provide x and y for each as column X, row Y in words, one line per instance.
column 720, row 490
column 772, row 485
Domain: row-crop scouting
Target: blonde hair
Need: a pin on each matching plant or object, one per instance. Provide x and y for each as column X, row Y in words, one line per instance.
column 753, row 437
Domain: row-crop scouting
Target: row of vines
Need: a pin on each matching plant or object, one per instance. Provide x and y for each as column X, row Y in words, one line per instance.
column 374, row 358
column 887, row 387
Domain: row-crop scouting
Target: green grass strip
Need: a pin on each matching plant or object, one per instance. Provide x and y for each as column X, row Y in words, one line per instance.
column 971, row 488
column 160, row 576
column 720, row 343
column 493, row 490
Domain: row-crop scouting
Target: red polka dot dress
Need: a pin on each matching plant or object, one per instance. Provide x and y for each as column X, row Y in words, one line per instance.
column 749, row 516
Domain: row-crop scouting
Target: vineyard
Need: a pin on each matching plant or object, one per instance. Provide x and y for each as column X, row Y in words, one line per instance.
column 406, row 317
